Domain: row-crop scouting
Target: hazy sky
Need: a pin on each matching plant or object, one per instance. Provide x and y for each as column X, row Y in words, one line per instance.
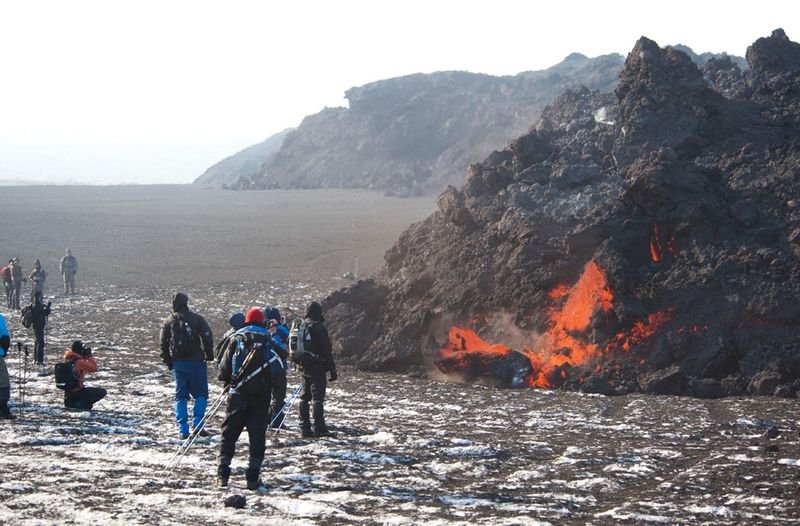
column 141, row 91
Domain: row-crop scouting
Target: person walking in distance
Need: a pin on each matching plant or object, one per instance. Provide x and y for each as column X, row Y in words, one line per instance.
column 40, row 312
column 186, row 344
column 5, row 381
column 38, row 277
column 8, row 285
column 69, row 267
column 17, row 278
column 245, row 369
column 318, row 343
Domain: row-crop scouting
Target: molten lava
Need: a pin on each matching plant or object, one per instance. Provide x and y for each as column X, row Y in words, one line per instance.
column 564, row 344
column 659, row 246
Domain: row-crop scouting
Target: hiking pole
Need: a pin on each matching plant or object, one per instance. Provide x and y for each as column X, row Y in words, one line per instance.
column 184, row 447
column 284, row 412
column 24, row 379
column 20, row 389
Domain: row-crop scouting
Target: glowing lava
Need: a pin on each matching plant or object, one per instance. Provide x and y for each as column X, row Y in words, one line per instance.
column 565, row 343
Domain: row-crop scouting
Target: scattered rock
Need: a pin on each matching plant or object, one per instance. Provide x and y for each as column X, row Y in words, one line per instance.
column 764, row 383
column 235, row 501
column 772, row 432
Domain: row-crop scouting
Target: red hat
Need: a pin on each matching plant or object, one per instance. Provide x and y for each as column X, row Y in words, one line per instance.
column 254, row 315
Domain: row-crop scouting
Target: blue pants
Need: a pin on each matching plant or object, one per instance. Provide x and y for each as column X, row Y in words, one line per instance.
column 191, row 380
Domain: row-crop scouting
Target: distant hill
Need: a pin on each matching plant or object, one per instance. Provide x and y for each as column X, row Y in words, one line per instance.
column 416, row 134
column 243, row 163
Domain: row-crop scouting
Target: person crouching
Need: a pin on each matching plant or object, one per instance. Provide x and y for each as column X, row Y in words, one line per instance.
column 82, row 397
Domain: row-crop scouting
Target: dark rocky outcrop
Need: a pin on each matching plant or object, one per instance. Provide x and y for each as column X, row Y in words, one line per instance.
column 242, row 164
column 670, row 207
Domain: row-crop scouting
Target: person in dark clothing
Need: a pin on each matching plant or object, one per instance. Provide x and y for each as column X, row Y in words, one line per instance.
column 245, row 370
column 314, row 380
column 236, row 321
column 38, row 278
column 82, row 397
column 280, row 337
column 186, row 344
column 40, row 312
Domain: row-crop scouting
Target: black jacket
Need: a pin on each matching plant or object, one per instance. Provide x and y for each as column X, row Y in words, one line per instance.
column 40, row 312
column 202, row 347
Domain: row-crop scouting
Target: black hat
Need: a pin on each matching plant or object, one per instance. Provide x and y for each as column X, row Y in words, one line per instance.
column 77, row 347
column 179, row 301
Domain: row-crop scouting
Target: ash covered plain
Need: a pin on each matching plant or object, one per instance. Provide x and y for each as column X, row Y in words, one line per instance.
column 407, row 449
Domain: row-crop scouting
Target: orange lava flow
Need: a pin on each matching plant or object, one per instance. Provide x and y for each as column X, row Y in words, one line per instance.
column 565, row 342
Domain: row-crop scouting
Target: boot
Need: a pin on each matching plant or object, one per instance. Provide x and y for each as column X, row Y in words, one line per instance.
column 223, row 474
column 320, row 429
column 305, row 419
column 252, row 474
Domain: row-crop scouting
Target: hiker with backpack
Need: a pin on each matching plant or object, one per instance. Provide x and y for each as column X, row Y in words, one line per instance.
column 279, row 334
column 236, row 321
column 8, row 286
column 245, row 369
column 38, row 316
column 310, row 347
column 78, row 361
column 38, row 277
column 17, row 279
column 69, row 267
column 5, row 381
column 186, row 345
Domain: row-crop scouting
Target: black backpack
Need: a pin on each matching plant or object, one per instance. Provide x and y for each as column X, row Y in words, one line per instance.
column 66, row 375
column 183, row 339
column 26, row 316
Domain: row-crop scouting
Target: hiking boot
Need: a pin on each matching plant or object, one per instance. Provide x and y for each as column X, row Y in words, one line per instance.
column 256, row 485
column 223, row 474
column 202, row 433
column 184, row 436
column 307, row 433
column 7, row 415
column 324, row 432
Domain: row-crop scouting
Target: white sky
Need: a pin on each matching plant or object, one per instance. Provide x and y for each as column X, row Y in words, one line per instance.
column 157, row 91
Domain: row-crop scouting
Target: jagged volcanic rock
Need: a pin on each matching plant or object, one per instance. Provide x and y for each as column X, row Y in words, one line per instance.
column 645, row 240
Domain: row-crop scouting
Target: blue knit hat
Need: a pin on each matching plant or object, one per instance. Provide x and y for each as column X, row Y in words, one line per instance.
column 237, row 320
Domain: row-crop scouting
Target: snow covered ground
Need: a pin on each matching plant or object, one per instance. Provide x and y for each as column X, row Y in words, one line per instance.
column 408, row 450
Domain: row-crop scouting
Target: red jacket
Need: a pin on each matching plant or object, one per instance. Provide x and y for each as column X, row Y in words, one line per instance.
column 82, row 366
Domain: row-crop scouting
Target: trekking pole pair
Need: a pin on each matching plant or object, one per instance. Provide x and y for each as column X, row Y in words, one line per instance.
column 284, row 412
column 187, row 443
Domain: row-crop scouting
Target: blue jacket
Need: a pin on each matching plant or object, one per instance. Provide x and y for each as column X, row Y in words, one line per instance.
column 5, row 338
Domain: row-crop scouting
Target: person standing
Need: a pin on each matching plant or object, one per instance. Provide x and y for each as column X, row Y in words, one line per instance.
column 245, row 370
column 186, row 344
column 17, row 278
column 5, row 273
column 81, row 397
column 5, row 381
column 38, row 277
column 315, row 383
column 280, row 337
column 40, row 312
column 69, row 267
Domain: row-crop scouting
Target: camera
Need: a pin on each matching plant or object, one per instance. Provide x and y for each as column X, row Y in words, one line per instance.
column 87, row 351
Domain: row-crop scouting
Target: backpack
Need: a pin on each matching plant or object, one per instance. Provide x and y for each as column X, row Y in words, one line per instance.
column 248, row 362
column 183, row 340
column 66, row 375
column 5, row 272
column 300, row 344
column 26, row 316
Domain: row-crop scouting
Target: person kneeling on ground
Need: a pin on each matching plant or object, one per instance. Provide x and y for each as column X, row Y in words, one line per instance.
column 82, row 397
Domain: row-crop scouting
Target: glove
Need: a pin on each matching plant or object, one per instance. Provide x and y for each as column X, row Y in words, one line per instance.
column 333, row 376
column 49, row 303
